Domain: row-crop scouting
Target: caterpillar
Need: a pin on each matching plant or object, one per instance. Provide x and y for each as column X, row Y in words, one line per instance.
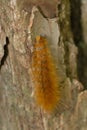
column 47, row 91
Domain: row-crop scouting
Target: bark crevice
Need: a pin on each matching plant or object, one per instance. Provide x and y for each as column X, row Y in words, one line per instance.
column 77, row 30
column 6, row 52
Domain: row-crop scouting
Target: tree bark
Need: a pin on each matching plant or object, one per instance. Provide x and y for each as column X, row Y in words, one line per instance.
column 63, row 23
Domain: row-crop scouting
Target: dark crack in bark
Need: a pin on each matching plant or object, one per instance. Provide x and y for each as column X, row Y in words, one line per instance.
column 6, row 52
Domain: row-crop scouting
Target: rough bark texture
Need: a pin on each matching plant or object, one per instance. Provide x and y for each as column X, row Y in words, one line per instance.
column 63, row 22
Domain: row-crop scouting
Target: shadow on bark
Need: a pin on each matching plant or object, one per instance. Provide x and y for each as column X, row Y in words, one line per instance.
column 77, row 30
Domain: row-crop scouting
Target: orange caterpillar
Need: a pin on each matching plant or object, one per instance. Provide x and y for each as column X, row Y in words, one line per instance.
column 47, row 90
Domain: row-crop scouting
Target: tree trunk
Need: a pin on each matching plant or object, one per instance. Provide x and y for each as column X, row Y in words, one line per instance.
column 63, row 23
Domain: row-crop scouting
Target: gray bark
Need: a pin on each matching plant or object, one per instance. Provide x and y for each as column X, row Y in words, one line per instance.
column 63, row 23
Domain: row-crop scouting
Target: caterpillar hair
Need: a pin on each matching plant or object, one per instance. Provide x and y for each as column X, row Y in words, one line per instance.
column 47, row 91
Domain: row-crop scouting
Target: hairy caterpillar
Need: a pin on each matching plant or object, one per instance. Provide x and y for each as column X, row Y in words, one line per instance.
column 48, row 93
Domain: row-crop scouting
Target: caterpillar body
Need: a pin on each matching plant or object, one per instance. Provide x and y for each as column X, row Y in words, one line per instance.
column 47, row 91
